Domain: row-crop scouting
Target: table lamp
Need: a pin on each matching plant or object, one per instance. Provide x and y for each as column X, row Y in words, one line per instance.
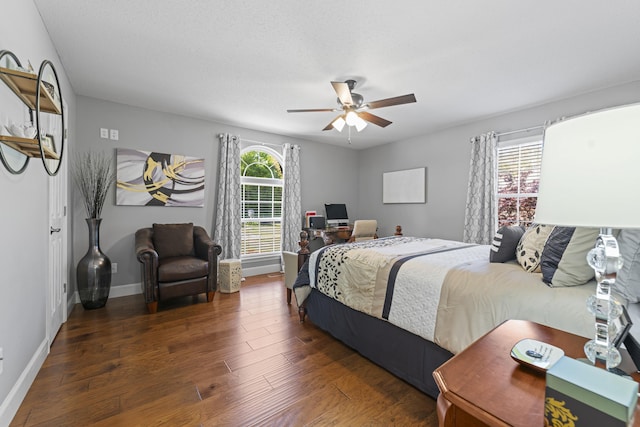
column 590, row 177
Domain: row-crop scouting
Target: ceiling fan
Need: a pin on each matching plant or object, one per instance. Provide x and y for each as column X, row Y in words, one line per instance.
column 354, row 111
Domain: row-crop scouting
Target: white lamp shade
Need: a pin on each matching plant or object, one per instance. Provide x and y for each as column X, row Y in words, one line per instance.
column 360, row 123
column 590, row 173
column 338, row 124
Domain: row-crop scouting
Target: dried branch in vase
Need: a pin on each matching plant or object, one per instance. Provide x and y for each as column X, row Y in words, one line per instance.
column 93, row 174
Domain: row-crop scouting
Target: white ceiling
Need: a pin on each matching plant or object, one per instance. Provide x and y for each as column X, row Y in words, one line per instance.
column 244, row 62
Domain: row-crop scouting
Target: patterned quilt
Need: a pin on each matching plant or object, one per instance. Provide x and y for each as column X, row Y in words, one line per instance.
column 397, row 278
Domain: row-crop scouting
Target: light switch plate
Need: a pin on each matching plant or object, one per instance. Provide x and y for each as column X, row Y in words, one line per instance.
column 114, row 134
column 104, row 133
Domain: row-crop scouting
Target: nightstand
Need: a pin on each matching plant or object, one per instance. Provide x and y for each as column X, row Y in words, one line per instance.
column 482, row 385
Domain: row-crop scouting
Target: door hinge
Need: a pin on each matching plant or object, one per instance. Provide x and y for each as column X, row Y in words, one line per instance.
column 65, row 288
column 64, row 211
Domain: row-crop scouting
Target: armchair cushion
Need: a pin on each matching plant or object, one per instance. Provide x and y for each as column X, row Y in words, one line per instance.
column 173, row 240
column 182, row 268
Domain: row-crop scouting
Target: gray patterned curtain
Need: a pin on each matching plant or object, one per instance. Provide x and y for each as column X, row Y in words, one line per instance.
column 229, row 202
column 482, row 208
column 291, row 199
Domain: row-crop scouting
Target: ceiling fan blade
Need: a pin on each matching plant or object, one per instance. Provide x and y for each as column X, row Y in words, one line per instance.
column 312, row 110
column 397, row 100
column 343, row 92
column 374, row 119
column 330, row 125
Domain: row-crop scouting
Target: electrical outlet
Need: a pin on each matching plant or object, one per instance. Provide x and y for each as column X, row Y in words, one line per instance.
column 114, row 134
column 104, row 133
column 114, row 267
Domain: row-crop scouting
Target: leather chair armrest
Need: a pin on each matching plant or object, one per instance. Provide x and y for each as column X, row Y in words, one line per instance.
column 208, row 250
column 147, row 255
column 205, row 248
column 145, row 250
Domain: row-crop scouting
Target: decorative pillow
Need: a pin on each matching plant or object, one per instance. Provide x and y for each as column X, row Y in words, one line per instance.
column 173, row 239
column 529, row 250
column 503, row 246
column 628, row 280
column 564, row 257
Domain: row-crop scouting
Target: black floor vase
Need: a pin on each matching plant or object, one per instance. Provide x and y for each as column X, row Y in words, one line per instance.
column 94, row 271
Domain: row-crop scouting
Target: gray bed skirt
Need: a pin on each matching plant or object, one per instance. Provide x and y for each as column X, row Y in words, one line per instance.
column 402, row 353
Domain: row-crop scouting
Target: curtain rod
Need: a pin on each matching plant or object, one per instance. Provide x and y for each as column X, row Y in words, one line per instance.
column 498, row 135
column 260, row 143
column 221, row 135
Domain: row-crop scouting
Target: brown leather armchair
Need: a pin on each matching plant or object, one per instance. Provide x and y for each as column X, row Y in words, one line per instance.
column 177, row 260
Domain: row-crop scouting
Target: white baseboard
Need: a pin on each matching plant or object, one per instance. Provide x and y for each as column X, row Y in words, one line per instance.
column 136, row 288
column 125, row 290
column 16, row 395
column 265, row 269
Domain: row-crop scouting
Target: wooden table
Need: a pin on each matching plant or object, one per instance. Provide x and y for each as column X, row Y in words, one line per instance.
column 482, row 385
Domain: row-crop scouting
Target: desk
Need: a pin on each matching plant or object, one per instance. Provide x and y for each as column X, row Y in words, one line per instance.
column 483, row 386
column 332, row 235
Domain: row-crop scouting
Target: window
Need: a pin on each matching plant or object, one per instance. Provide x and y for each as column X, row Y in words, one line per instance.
column 518, row 180
column 261, row 180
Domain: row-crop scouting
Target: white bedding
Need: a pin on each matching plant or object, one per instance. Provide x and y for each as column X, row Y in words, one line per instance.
column 450, row 296
column 416, row 294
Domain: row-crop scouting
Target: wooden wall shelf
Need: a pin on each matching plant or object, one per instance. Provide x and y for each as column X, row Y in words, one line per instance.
column 28, row 147
column 40, row 96
column 24, row 85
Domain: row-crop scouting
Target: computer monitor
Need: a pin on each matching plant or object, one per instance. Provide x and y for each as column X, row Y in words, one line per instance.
column 336, row 214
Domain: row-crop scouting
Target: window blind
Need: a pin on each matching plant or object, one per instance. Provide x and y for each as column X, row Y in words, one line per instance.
column 518, row 181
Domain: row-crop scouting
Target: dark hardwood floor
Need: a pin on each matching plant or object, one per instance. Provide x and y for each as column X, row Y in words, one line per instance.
column 242, row 360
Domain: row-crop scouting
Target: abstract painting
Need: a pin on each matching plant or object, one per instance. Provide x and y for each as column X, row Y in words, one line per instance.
column 158, row 179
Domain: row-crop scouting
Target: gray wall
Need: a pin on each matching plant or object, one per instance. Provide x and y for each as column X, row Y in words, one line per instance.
column 24, row 222
column 446, row 155
column 155, row 131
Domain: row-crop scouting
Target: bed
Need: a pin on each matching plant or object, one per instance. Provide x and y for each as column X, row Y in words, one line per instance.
column 409, row 304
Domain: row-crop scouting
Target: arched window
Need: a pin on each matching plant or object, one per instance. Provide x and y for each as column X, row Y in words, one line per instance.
column 262, row 182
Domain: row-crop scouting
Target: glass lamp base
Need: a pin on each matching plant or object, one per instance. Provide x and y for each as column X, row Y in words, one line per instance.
column 610, row 355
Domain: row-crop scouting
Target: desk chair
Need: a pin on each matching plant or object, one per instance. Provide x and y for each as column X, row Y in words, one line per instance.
column 364, row 229
column 290, row 271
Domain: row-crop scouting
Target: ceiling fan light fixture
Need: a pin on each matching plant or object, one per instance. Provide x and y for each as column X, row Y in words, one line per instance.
column 354, row 111
column 360, row 123
column 351, row 118
column 338, row 124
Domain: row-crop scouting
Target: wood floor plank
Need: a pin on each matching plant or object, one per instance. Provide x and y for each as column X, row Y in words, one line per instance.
column 241, row 360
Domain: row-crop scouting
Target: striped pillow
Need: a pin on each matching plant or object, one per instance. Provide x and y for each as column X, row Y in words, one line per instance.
column 564, row 257
column 505, row 241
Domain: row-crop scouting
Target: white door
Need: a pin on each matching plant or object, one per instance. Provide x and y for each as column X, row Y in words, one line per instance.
column 58, row 275
column 57, row 292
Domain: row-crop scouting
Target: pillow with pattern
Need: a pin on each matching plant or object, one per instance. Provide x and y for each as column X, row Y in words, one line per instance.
column 529, row 250
column 505, row 241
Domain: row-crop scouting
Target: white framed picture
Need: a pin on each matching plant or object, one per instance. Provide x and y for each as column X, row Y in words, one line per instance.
column 405, row 186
